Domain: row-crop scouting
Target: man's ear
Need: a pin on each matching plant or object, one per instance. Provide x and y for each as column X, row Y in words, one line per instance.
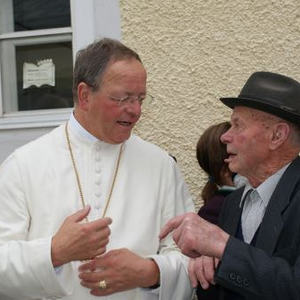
column 280, row 134
column 83, row 95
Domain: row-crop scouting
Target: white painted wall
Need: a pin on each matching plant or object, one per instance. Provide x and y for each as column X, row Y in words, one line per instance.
column 199, row 50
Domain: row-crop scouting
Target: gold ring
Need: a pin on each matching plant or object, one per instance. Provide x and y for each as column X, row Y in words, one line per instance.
column 102, row 285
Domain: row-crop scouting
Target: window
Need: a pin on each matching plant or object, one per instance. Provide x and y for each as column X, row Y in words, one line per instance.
column 36, row 58
column 38, row 39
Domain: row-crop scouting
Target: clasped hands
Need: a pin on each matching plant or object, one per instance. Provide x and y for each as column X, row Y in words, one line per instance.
column 202, row 241
column 121, row 268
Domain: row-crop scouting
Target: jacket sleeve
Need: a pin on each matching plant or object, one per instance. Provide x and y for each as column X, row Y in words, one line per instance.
column 26, row 270
column 256, row 275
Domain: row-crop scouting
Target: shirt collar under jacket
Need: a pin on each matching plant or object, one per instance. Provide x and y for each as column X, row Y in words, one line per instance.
column 265, row 189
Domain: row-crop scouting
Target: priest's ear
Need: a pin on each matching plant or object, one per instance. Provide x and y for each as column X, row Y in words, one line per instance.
column 280, row 134
column 83, row 95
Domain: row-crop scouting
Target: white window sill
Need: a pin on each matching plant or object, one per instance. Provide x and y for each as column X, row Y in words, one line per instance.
column 35, row 119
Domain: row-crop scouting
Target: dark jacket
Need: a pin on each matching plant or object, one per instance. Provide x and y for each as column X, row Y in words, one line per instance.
column 271, row 269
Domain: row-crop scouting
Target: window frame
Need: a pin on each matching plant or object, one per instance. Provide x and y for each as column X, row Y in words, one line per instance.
column 27, row 118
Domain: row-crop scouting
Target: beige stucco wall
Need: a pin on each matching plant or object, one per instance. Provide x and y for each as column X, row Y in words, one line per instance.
column 195, row 52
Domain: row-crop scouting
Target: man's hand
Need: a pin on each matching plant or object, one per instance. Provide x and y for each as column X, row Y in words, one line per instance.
column 121, row 269
column 202, row 269
column 195, row 236
column 79, row 241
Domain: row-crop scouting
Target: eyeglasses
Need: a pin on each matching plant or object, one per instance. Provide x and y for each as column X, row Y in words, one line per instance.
column 126, row 100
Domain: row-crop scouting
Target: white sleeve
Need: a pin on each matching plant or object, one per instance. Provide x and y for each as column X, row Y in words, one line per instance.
column 26, row 270
column 174, row 279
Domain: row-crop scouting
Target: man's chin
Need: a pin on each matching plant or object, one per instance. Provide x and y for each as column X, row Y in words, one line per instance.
column 122, row 138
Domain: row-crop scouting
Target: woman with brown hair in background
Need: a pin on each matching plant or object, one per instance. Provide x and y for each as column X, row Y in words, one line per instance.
column 211, row 153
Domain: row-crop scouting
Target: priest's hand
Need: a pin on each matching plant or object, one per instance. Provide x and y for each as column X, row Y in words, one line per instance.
column 118, row 270
column 79, row 241
column 195, row 236
column 202, row 270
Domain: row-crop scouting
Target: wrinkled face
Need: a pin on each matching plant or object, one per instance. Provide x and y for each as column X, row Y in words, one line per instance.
column 247, row 141
column 104, row 117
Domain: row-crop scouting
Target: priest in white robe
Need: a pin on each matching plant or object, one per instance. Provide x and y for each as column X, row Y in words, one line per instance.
column 92, row 190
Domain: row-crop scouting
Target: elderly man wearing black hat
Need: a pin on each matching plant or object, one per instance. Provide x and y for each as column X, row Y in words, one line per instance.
column 256, row 254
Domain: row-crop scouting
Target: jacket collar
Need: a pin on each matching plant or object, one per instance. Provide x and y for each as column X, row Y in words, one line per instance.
column 272, row 222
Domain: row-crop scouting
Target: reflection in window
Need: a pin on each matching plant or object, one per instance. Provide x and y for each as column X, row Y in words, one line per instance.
column 41, row 14
column 44, row 76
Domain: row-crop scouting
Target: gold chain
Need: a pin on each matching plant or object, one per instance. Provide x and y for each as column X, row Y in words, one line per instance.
column 83, row 203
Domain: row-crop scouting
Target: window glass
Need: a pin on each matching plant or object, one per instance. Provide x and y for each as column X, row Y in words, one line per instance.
column 20, row 15
column 44, row 76
column 41, row 14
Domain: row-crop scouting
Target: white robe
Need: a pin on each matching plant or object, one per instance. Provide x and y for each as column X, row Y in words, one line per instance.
column 39, row 190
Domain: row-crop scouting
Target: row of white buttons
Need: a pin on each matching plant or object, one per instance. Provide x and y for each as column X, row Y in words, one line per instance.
column 98, row 193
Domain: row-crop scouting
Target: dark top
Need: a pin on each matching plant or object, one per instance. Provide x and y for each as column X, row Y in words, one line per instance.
column 210, row 212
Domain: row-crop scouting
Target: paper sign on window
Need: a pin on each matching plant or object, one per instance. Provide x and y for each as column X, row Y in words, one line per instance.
column 37, row 75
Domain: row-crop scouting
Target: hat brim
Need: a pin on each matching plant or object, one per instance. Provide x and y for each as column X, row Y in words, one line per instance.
column 280, row 111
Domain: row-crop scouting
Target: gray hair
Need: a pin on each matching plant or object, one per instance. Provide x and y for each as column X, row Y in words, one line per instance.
column 295, row 134
column 92, row 61
column 264, row 117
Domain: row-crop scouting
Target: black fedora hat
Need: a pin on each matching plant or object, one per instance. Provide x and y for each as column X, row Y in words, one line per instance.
column 272, row 93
